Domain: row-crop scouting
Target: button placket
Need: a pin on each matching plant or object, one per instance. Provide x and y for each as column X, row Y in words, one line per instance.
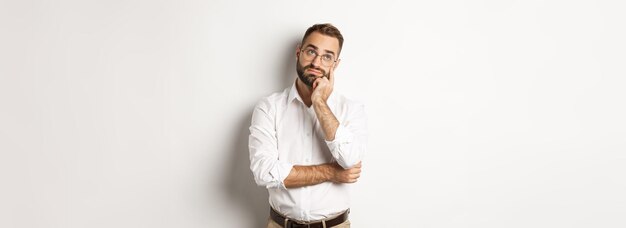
column 313, row 124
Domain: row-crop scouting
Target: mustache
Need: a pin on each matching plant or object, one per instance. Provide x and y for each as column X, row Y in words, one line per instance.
column 315, row 68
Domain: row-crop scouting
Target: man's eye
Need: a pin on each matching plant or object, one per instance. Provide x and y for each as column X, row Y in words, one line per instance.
column 327, row 57
column 311, row 52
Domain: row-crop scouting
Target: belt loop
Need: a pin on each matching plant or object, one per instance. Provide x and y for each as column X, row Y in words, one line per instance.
column 323, row 223
column 286, row 220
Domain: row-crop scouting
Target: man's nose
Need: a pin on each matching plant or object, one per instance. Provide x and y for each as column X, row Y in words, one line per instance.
column 315, row 59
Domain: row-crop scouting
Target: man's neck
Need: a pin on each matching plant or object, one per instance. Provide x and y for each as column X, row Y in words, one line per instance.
column 305, row 92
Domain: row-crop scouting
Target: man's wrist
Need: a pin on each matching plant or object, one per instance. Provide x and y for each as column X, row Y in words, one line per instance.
column 327, row 170
column 319, row 102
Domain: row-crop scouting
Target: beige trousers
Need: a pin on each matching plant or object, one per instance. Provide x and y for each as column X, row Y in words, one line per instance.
column 272, row 224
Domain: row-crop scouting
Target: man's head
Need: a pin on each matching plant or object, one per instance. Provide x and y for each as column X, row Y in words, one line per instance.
column 318, row 53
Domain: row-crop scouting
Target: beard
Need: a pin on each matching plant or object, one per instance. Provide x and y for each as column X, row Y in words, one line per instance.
column 308, row 79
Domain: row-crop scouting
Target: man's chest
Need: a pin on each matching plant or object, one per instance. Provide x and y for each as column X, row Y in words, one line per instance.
column 300, row 139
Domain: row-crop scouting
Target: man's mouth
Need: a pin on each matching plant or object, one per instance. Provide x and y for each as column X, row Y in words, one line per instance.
column 314, row 71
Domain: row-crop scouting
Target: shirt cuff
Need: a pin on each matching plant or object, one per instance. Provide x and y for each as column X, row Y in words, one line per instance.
column 343, row 137
column 279, row 173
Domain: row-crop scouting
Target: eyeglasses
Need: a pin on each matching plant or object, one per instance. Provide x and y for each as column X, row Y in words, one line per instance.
column 310, row 54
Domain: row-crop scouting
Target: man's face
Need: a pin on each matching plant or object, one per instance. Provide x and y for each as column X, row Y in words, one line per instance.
column 315, row 57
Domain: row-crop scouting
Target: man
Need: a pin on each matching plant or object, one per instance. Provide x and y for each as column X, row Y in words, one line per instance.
column 306, row 143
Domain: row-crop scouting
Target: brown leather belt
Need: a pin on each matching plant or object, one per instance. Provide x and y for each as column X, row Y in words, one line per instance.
column 288, row 223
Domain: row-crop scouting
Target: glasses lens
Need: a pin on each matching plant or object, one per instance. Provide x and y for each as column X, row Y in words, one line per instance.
column 310, row 54
column 327, row 60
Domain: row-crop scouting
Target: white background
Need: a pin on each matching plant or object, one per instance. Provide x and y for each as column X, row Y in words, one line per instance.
column 481, row 113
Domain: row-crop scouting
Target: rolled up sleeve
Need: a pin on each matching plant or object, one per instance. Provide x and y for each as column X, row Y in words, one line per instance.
column 350, row 142
column 266, row 167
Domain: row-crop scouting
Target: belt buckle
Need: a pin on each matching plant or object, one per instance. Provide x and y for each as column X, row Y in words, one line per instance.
column 293, row 224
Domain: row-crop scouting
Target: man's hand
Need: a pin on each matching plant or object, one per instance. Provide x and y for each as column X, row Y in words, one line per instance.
column 323, row 87
column 341, row 175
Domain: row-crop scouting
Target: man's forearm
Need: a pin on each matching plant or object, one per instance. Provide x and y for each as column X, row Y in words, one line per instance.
column 328, row 121
column 301, row 176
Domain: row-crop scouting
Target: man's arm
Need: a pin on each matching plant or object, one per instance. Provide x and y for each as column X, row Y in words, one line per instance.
column 267, row 169
column 328, row 121
column 346, row 141
column 301, row 176
column 322, row 88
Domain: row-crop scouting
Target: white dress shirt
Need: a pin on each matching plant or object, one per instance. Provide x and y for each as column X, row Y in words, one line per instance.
column 285, row 132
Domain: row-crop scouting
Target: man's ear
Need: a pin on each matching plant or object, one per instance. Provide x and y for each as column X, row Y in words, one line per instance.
column 298, row 51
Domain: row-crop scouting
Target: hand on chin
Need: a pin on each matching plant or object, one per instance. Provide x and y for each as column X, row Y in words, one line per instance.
column 311, row 78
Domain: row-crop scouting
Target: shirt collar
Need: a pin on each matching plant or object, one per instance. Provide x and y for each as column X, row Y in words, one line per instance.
column 293, row 94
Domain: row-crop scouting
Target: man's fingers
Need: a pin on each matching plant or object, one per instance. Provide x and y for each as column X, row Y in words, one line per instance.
column 331, row 75
column 315, row 83
column 353, row 178
column 331, row 72
column 318, row 81
column 355, row 170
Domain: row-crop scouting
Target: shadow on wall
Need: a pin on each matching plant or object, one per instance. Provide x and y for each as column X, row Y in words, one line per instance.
column 240, row 186
column 289, row 66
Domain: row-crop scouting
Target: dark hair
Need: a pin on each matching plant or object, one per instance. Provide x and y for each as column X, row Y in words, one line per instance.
column 325, row 29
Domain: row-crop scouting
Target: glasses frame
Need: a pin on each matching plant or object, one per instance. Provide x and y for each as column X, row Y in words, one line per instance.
column 318, row 55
